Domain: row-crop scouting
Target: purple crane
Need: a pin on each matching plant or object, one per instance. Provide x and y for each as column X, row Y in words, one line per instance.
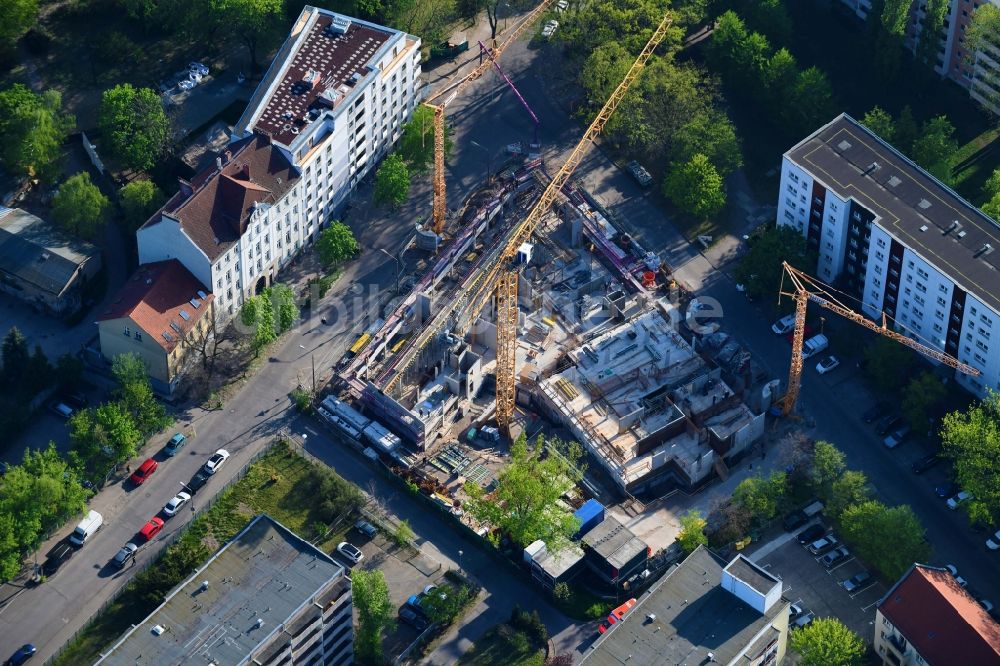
column 489, row 54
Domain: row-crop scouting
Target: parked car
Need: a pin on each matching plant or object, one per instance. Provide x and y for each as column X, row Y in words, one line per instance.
column 145, row 471
column 828, row 364
column 875, row 412
column 217, row 460
column 175, row 444
column 197, row 481
column 811, row 533
column 412, row 617
column 953, row 570
column 993, row 543
column 794, row 610
column 57, row 557
column 784, row 325
column 366, row 528
column 804, row 619
column 60, row 408
column 794, row 521
column 946, row 490
column 186, row 84
column 823, row 545
column 835, row 557
column 175, row 504
column 858, row 581
column 350, row 551
column 198, row 67
column 897, row 437
column 23, row 654
column 925, row 463
column 959, row 499
column 814, row 345
column 888, row 424
column 151, row 528
column 125, row 555
column 986, row 604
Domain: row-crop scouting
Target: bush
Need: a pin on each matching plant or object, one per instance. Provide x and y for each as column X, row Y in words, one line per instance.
column 302, row 399
column 561, row 592
column 530, row 623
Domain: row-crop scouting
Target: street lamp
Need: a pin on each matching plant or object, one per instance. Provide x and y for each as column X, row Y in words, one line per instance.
column 489, row 160
column 460, row 553
column 399, row 265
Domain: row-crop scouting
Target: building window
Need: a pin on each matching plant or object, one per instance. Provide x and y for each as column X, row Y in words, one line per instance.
column 127, row 332
column 881, row 242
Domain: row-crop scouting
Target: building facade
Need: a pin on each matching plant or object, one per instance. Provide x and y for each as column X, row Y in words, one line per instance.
column 929, row 619
column 331, row 105
column 898, row 240
column 266, row 598
column 978, row 71
column 162, row 314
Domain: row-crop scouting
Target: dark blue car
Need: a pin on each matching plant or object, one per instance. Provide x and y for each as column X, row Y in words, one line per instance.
column 23, row 654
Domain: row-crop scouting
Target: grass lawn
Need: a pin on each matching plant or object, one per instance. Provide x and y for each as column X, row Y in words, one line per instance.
column 282, row 484
column 582, row 604
column 504, row 645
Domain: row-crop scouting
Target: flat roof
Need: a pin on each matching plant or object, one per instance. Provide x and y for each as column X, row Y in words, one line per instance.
column 327, row 56
column 913, row 206
column 614, row 542
column 265, row 573
column 759, row 579
column 38, row 252
column 695, row 615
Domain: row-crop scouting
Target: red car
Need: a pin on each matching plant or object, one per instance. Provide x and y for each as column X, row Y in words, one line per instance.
column 151, row 529
column 145, row 471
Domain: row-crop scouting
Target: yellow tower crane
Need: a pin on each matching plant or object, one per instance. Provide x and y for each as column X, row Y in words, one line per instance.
column 440, row 199
column 807, row 288
column 506, row 288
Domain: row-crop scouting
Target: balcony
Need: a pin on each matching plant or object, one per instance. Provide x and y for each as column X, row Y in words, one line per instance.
column 898, row 644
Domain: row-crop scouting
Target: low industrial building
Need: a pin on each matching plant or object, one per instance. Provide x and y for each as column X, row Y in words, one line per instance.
column 41, row 265
column 162, row 314
column 267, row 597
column 703, row 611
column 928, row 619
column 613, row 552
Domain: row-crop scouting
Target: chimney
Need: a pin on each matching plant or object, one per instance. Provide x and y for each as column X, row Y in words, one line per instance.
column 229, row 157
column 218, row 163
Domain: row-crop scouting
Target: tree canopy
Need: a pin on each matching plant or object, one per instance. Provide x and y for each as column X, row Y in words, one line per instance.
column 33, row 129
column 880, row 121
column 826, row 641
column 392, row 181
column 866, row 526
column 416, row 144
column 991, row 194
column 921, row 396
column 525, row 504
column 972, row 439
column 134, row 126
column 80, row 207
column 139, row 200
column 250, row 19
column 762, row 497
column 760, row 269
column 696, row 187
column 16, row 18
column 336, row 244
column 692, row 532
column 375, row 613
column 136, row 394
column 848, row 489
column 934, row 146
column 827, row 466
column 888, row 364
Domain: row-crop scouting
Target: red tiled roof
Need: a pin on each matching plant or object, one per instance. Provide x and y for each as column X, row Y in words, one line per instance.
column 941, row 620
column 213, row 209
column 154, row 298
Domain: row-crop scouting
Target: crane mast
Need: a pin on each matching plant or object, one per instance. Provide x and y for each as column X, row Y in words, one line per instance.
column 806, row 289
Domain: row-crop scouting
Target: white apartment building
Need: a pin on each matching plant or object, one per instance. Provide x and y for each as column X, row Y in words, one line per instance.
column 331, row 105
column 900, row 241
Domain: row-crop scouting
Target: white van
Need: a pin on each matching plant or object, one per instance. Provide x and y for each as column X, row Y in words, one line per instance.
column 814, row 345
column 87, row 528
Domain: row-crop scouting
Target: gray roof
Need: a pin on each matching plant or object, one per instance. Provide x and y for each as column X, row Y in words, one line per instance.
column 914, row 207
column 266, row 572
column 694, row 616
column 614, row 542
column 759, row 579
column 36, row 252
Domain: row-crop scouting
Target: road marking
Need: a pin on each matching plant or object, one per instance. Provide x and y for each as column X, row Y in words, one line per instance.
column 864, row 609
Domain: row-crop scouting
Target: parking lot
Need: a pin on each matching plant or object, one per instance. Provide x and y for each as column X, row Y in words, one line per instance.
column 818, row 589
column 406, row 571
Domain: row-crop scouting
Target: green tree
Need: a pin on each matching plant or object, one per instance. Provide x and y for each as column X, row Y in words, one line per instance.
column 392, row 181
column 827, row 466
column 33, row 129
column 416, row 144
column 250, row 19
column 767, row 16
column 139, row 200
column 991, row 194
column 728, row 37
column 696, row 187
column 850, row 489
column 403, row 534
column 79, row 207
column 780, row 74
column 826, row 641
column 906, row 130
column 895, row 14
column 810, row 102
column 283, row 305
column 760, row 269
column 444, row 605
column 134, row 127
column 16, row 357
column 934, row 147
column 888, row 364
column 16, row 18
column 983, row 31
column 935, row 13
column 920, row 397
column 257, row 313
column 629, row 22
column 603, row 70
column 972, row 439
column 762, row 497
column 136, row 394
column 866, row 525
column 525, row 504
column 692, row 532
column 712, row 134
column 336, row 244
column 102, row 437
column 879, row 121
column 375, row 611
column 69, row 371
